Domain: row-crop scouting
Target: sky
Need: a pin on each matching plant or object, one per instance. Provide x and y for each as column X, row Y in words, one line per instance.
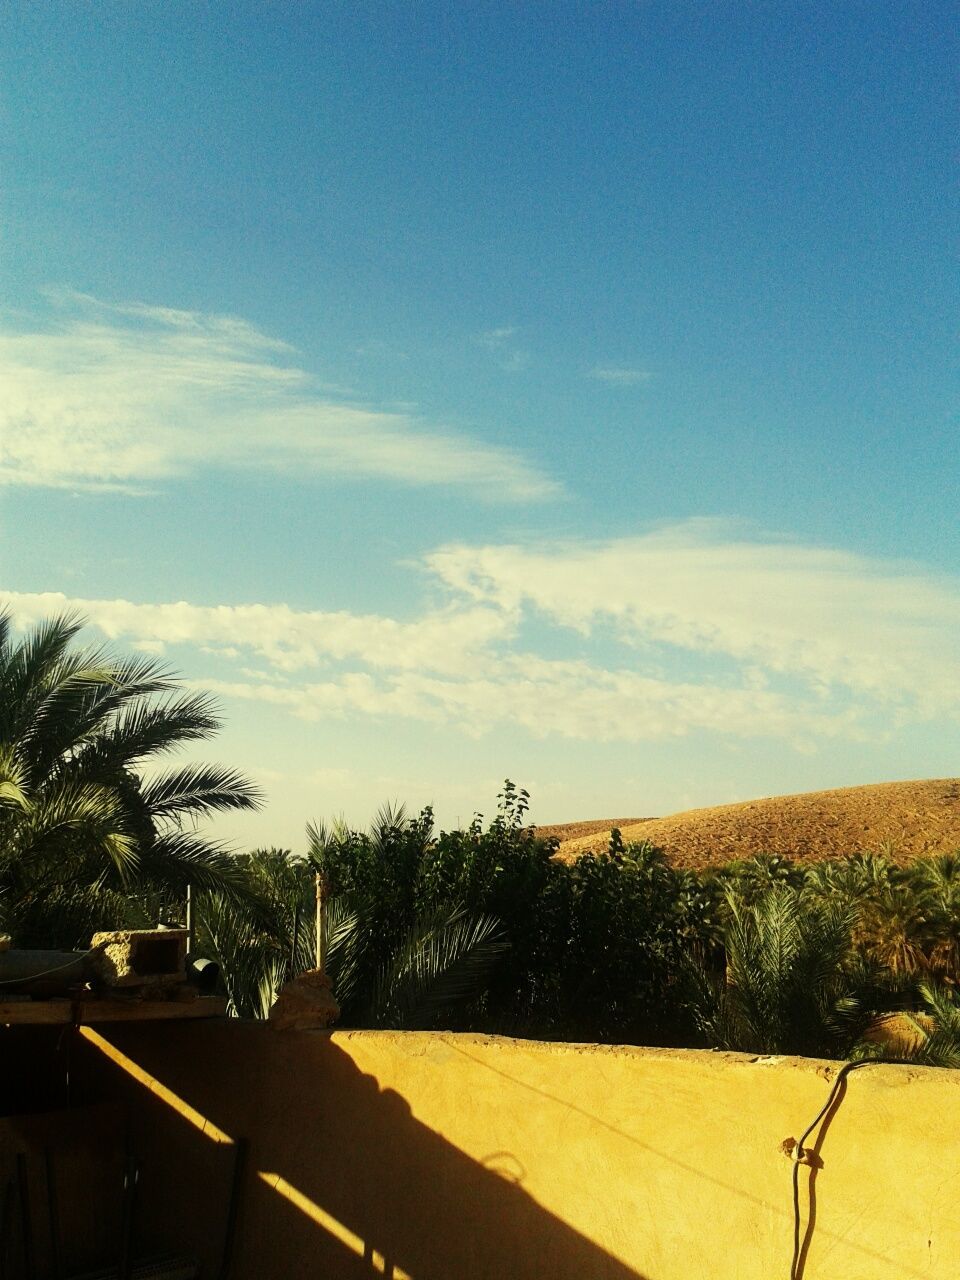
column 464, row 391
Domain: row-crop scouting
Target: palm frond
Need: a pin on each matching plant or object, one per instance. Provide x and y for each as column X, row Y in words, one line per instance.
column 74, row 705
column 942, row 1046
column 142, row 728
column 27, row 666
column 444, row 960
column 81, row 815
column 248, row 958
column 13, row 781
column 348, row 945
column 179, row 858
column 197, row 790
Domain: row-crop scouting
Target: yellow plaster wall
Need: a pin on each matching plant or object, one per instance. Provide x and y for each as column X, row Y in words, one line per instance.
column 458, row 1157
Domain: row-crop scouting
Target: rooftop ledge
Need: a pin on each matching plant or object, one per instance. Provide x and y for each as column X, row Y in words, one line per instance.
column 285, row 1155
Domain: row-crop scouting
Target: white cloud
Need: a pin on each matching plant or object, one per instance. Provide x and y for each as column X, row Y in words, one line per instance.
column 829, row 618
column 130, row 396
column 688, row 629
column 618, row 376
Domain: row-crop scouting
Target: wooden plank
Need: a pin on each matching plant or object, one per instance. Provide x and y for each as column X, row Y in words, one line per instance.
column 84, row 1012
column 32, row 1012
column 151, row 1010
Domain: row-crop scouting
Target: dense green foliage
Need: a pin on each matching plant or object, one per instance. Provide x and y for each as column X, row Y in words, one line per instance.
column 589, row 949
column 765, row 955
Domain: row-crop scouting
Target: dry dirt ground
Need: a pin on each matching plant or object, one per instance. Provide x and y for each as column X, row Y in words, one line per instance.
column 903, row 820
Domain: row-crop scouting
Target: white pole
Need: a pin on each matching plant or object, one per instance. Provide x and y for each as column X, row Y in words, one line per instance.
column 189, row 919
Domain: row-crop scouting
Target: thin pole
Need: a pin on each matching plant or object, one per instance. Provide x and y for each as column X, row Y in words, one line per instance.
column 233, row 1206
column 322, row 888
column 295, row 945
column 189, row 919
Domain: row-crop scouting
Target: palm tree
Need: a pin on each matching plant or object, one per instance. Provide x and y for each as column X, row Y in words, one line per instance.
column 260, row 942
column 395, row 960
column 750, row 878
column 936, row 881
column 897, row 926
column 788, row 986
column 941, row 1045
column 91, row 830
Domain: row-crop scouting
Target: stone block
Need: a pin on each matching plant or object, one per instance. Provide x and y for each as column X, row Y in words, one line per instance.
column 305, row 1004
column 140, row 957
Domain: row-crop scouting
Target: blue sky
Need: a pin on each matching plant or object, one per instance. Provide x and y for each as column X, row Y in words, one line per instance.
column 556, row 391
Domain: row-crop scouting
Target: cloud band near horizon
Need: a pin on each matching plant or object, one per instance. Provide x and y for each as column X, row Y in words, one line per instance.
column 687, row 628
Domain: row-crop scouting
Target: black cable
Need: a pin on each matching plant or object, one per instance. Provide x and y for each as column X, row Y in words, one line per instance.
column 799, row 1150
column 45, row 973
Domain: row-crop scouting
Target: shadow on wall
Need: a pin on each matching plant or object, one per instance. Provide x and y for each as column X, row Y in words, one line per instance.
column 340, row 1179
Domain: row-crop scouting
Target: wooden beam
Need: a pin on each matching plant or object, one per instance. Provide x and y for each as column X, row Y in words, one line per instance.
column 62, row 1012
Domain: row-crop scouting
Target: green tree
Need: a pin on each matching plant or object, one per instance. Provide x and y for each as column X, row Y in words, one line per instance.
column 93, row 831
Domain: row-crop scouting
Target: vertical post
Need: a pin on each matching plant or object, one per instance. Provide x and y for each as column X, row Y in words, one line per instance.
column 189, row 919
column 321, row 920
column 29, row 1270
column 233, row 1206
column 295, row 944
column 53, row 1213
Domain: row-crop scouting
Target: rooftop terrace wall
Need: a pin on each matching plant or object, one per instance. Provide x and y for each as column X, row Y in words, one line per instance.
column 454, row 1157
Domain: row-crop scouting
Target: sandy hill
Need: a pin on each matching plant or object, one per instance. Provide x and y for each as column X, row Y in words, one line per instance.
column 567, row 831
column 904, row 820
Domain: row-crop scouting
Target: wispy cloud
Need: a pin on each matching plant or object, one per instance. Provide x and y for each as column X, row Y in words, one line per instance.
column 500, row 342
column 692, row 628
column 130, row 396
column 497, row 337
column 618, row 376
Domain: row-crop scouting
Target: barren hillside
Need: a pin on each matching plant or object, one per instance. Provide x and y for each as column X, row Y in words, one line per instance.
column 904, row 820
column 566, row 831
